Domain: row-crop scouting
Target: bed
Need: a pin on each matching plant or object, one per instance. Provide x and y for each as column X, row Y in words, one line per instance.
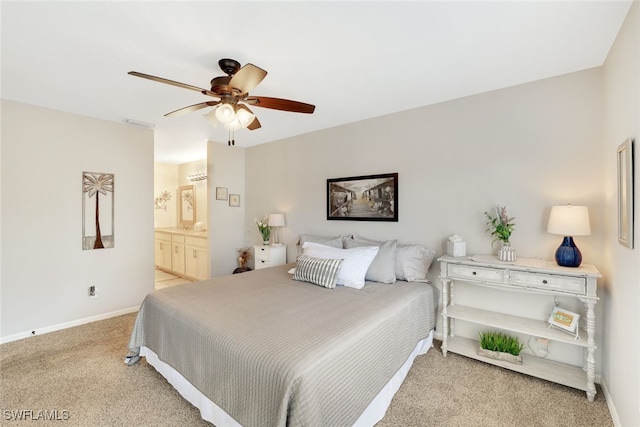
column 262, row 349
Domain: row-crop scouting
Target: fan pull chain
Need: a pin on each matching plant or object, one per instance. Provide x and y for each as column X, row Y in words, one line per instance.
column 232, row 140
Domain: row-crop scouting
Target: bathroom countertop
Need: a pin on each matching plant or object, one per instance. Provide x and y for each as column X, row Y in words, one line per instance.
column 174, row 230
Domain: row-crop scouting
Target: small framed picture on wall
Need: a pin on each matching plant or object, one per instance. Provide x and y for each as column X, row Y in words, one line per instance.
column 234, row 200
column 222, row 193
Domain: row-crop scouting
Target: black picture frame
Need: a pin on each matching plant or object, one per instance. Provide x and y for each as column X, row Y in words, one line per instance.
column 363, row 198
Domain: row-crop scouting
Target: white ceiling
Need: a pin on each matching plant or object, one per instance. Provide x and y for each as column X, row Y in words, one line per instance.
column 353, row 60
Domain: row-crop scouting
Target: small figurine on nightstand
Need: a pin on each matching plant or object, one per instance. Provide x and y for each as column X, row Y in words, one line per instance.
column 243, row 256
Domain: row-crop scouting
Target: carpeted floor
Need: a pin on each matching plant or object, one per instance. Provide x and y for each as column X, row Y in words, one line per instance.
column 78, row 376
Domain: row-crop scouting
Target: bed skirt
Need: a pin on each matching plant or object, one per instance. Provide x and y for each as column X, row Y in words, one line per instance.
column 211, row 412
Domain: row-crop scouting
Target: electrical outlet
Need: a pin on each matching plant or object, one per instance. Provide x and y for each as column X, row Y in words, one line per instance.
column 92, row 291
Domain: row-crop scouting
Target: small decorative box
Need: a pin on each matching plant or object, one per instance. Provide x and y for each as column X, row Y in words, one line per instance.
column 456, row 248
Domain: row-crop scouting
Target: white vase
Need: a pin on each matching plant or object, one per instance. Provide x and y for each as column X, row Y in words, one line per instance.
column 265, row 242
column 506, row 253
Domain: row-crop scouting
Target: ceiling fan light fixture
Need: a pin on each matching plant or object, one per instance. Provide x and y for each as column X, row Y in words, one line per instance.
column 244, row 117
column 234, row 125
column 231, row 93
column 211, row 117
column 225, row 113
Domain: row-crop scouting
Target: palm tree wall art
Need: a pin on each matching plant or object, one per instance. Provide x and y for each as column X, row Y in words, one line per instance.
column 97, row 224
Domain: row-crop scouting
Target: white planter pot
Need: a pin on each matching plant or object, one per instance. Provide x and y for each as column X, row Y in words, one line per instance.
column 506, row 253
column 507, row 357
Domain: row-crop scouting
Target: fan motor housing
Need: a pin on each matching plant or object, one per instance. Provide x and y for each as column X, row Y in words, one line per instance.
column 220, row 85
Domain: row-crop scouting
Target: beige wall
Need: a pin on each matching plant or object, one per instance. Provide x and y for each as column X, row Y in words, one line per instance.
column 226, row 168
column 528, row 147
column 165, row 178
column 45, row 273
column 621, row 293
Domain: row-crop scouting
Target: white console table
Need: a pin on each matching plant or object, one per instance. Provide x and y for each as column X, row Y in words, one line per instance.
column 525, row 275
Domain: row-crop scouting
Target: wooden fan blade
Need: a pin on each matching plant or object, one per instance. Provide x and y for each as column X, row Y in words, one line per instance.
column 167, row 81
column 209, row 93
column 255, row 124
column 280, row 104
column 194, row 107
column 247, row 78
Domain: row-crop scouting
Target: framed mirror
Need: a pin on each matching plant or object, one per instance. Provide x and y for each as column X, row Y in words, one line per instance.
column 187, row 205
column 625, row 193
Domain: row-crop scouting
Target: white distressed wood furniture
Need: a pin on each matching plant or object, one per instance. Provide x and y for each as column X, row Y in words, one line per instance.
column 269, row 256
column 527, row 276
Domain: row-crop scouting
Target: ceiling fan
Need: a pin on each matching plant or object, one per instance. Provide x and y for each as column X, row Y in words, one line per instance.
column 232, row 92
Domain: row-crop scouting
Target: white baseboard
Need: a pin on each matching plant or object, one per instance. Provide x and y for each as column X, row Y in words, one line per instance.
column 610, row 405
column 66, row 325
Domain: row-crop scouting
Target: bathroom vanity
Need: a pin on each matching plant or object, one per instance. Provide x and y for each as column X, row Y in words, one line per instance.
column 181, row 252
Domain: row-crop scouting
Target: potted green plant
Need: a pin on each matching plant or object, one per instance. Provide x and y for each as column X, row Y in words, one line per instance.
column 500, row 346
column 501, row 226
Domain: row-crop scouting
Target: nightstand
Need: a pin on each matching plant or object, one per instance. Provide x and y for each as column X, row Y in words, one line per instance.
column 265, row 256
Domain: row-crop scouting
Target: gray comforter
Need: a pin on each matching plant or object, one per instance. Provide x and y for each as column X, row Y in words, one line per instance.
column 272, row 351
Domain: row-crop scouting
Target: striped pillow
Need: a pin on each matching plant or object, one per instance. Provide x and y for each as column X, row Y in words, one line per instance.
column 322, row 272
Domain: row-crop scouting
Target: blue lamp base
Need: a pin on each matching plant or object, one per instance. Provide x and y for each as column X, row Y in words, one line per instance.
column 568, row 254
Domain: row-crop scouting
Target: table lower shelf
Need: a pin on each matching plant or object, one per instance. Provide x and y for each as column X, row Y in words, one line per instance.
column 561, row 373
column 537, row 328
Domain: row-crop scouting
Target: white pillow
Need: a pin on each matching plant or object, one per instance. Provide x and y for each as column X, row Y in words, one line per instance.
column 356, row 261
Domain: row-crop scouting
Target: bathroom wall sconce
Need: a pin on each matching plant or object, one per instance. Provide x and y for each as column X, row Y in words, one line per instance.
column 198, row 177
column 160, row 202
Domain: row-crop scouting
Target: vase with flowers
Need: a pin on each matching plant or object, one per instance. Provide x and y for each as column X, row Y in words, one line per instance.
column 501, row 226
column 264, row 228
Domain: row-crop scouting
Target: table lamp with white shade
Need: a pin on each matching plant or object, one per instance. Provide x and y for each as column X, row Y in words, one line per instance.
column 276, row 220
column 569, row 221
